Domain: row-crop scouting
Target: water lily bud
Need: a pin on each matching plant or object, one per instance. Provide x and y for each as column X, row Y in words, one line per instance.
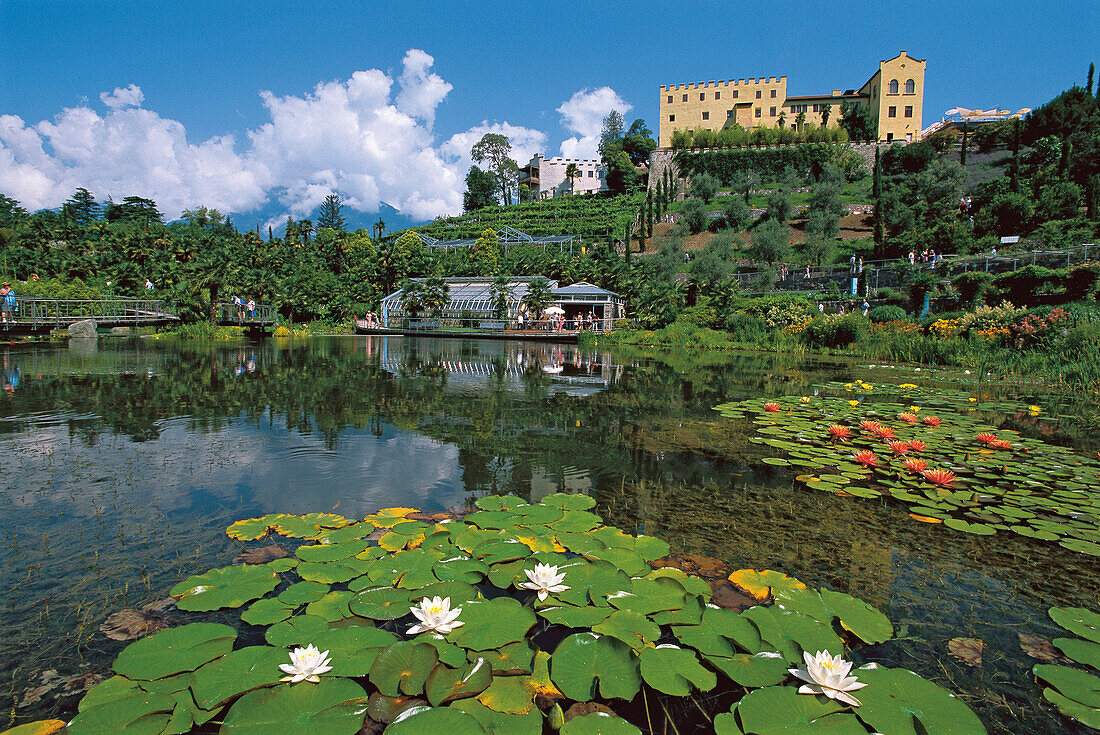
column 556, row 717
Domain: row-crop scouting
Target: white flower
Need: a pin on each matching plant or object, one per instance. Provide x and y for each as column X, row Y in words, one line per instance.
column 306, row 664
column 435, row 614
column 828, row 675
column 545, row 579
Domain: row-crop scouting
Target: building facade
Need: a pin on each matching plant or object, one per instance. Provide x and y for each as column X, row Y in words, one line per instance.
column 894, row 94
column 545, row 177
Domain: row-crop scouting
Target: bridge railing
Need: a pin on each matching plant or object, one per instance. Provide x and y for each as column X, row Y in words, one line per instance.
column 43, row 312
column 263, row 314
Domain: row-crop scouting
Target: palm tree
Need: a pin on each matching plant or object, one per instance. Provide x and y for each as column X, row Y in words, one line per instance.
column 800, row 120
column 436, row 295
column 782, row 117
column 501, row 289
column 538, row 296
column 412, row 297
column 825, row 110
column 572, row 172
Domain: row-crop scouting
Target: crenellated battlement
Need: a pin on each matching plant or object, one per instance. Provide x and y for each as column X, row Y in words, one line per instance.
column 722, row 83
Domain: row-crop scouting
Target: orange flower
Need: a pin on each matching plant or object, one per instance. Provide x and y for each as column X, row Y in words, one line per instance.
column 986, row 438
column 915, row 465
column 907, row 417
column 899, row 447
column 939, row 478
column 871, row 426
column 917, row 446
column 772, row 407
column 885, row 432
column 839, row 433
column 866, row 458
column 932, row 421
column 1000, row 444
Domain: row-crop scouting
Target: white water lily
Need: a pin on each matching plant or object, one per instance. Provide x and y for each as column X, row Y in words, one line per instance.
column 436, row 614
column 545, row 579
column 306, row 664
column 828, row 675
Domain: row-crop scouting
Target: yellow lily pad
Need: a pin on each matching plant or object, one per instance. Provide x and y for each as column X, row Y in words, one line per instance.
column 762, row 583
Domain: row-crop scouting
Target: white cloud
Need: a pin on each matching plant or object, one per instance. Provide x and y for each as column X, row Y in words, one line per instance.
column 526, row 142
column 583, row 114
column 421, row 91
column 130, row 96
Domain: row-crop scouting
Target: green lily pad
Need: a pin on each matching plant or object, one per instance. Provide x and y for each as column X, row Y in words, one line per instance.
column 303, row 592
column 791, row 633
column 139, row 713
column 575, row 617
column 267, row 611
column 1080, row 686
column 599, row 723
column 237, row 672
column 353, row 650
column 631, row 628
column 756, row 670
column 894, row 698
column 225, row 587
column 674, row 670
column 782, row 709
column 299, row 630
column 422, row 720
column 1089, row 716
column 332, row 551
column 1083, row 652
column 1079, row 621
column 381, row 603
column 569, row 501
column 402, row 668
column 334, row 572
column 331, row 707
column 515, row 658
column 583, row 660
column 501, row 723
column 648, row 596
column 332, row 607
column 445, row 683
column 174, row 651
column 489, row 624
column 855, row 615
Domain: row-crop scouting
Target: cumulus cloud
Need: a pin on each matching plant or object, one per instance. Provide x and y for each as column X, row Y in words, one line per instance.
column 130, row 96
column 421, row 90
column 583, row 114
column 526, row 142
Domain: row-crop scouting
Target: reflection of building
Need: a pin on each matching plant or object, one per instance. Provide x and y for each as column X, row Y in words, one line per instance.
column 545, row 177
column 894, row 94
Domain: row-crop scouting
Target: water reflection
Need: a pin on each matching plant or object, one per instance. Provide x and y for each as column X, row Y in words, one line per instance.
column 122, row 462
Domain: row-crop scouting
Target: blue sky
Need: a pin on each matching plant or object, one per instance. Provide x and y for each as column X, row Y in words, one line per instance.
column 194, row 128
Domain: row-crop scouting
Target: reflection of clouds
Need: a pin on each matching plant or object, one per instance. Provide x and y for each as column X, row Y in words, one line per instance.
column 253, row 466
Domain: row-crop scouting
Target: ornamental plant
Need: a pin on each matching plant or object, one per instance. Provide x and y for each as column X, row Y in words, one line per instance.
column 497, row 622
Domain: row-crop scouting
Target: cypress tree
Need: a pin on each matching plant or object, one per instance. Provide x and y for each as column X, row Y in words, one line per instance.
column 626, row 241
column 962, row 150
column 1092, row 71
column 879, row 231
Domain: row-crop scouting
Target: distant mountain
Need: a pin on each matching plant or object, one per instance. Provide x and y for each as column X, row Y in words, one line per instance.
column 273, row 211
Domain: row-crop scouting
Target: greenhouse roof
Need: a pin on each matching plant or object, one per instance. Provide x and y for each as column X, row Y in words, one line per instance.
column 583, row 288
column 471, row 290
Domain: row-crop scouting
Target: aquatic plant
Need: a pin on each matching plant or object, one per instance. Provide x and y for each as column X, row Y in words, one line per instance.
column 939, row 477
column 916, row 445
column 772, row 407
column 870, row 426
column 1074, row 691
column 865, row 457
column 932, row 420
column 899, row 448
column 627, row 627
column 909, row 418
column 839, row 433
column 986, row 437
column 913, row 464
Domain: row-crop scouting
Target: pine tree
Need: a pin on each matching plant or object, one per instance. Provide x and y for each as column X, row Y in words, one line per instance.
column 962, row 149
column 330, row 217
column 1092, row 71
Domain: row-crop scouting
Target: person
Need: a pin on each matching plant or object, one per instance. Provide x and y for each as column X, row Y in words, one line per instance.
column 519, row 321
column 841, row 312
column 866, row 307
column 807, row 271
column 251, row 309
column 7, row 304
column 148, row 285
column 912, row 258
column 993, row 251
column 821, row 307
column 238, row 306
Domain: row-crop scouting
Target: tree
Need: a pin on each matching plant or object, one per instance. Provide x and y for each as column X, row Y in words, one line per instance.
column 779, row 206
column 1092, row 71
column 638, row 143
column 737, row 214
column 611, row 137
column 770, row 242
column 621, row 176
column 81, row 207
column 133, row 209
column 412, row 297
column 695, row 216
column 330, row 216
column 436, row 294
column 487, row 251
column 704, row 186
column 711, row 265
column 502, row 291
column 744, row 181
column 858, row 122
column 826, row 110
column 481, row 190
column 496, row 150
column 800, row 120
column 572, row 172
column 538, row 296
column 782, row 118
column 962, row 146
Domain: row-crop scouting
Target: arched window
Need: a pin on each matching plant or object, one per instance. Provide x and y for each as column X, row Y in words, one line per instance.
column 910, row 86
column 893, row 86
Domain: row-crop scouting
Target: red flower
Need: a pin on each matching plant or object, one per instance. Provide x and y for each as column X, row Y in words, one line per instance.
column 917, row 446
column 839, row 433
column 915, row 465
column 772, row 407
column 871, row 426
column 899, row 447
column 986, row 438
column 909, row 418
column 1001, row 444
column 866, row 458
column 932, row 421
column 885, row 432
column 939, row 478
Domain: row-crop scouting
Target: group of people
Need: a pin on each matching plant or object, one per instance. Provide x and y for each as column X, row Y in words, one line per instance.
column 865, row 306
column 241, row 306
column 557, row 322
column 926, row 256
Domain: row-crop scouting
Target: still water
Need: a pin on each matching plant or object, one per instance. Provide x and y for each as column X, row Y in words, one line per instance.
column 122, row 462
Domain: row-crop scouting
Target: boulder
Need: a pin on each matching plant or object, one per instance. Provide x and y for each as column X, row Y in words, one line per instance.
column 120, row 331
column 83, row 328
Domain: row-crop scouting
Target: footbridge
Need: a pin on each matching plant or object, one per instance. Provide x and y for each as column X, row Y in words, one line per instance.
column 34, row 315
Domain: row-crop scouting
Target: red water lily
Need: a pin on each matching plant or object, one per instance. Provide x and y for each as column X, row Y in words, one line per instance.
column 909, row 418
column 866, row 458
column 772, row 407
column 1001, row 444
column 886, row 433
column 939, row 478
column 871, row 426
column 986, row 438
column 917, row 446
column 899, row 447
column 839, row 433
column 932, row 421
column 915, row 465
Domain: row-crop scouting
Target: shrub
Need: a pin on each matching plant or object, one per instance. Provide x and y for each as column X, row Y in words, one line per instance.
column 695, row 216
column 987, row 317
column 972, row 286
column 737, row 213
column 834, row 330
column 887, row 313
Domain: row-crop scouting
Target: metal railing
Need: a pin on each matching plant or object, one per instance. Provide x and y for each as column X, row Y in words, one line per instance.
column 488, row 324
column 262, row 314
column 41, row 312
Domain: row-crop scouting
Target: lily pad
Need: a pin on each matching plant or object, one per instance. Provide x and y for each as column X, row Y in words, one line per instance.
column 225, row 587
column 492, row 623
column 403, row 667
column 674, row 670
column 331, row 707
column 761, row 584
column 1079, row 621
column 445, row 683
column 139, row 713
column 381, row 603
column 583, row 660
column 174, row 650
column 267, row 611
column 599, row 723
column 894, row 698
column 237, row 672
column 422, row 720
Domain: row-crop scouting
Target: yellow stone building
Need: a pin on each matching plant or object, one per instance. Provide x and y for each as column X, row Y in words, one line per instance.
column 894, row 94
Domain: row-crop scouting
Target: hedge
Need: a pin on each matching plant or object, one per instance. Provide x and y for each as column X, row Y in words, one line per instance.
column 769, row 163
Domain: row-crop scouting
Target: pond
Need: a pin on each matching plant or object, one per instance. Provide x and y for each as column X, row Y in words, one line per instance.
column 122, row 463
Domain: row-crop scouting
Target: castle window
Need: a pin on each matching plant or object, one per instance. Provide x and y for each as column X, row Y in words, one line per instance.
column 892, row 112
column 729, row 114
column 702, row 96
column 758, row 112
column 685, row 98
column 773, row 93
column 758, row 94
column 910, row 86
column 735, row 94
column 706, row 115
column 893, row 86
column 772, row 112
column 672, row 118
column 717, row 95
column 909, row 111
column 670, row 99
column 590, row 172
